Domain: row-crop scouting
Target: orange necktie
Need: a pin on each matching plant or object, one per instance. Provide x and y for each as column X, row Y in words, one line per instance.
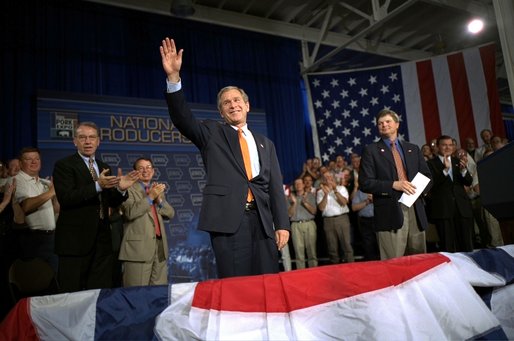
column 402, row 175
column 246, row 159
column 154, row 216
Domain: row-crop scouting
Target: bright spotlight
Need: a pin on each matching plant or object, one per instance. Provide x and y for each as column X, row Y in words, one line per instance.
column 475, row 26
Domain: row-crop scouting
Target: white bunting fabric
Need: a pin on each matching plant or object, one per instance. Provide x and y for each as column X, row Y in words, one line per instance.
column 423, row 297
column 441, row 296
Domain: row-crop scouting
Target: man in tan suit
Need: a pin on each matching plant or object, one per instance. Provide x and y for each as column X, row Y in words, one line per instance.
column 144, row 248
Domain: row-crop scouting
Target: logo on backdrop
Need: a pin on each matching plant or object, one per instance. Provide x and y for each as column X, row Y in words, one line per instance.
column 63, row 125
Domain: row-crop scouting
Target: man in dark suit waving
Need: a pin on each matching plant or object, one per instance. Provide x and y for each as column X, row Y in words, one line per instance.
column 387, row 167
column 85, row 191
column 243, row 206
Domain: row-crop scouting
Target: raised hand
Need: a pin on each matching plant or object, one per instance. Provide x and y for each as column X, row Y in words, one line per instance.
column 171, row 59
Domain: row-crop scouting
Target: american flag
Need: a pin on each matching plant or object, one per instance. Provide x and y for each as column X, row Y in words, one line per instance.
column 454, row 94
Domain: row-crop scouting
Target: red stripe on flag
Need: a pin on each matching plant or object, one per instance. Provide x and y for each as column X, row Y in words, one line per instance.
column 293, row 290
column 428, row 95
column 17, row 325
column 488, row 56
column 461, row 96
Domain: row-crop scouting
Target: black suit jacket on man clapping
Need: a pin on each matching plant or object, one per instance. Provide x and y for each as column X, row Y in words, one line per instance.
column 448, row 195
column 77, row 225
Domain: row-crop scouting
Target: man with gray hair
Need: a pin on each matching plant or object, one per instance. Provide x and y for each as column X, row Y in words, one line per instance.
column 387, row 169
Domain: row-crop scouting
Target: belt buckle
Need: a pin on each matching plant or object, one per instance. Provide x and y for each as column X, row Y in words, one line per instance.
column 250, row 206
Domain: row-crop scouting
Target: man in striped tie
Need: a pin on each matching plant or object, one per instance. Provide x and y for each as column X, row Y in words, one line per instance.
column 86, row 189
column 387, row 169
column 144, row 248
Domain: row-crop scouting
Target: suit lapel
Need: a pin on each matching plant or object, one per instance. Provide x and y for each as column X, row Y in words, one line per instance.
column 409, row 159
column 259, row 141
column 233, row 143
column 438, row 163
column 386, row 153
column 82, row 168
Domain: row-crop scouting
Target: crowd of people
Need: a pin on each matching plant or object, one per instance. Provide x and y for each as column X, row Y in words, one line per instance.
column 336, row 197
column 94, row 227
column 70, row 219
column 450, row 216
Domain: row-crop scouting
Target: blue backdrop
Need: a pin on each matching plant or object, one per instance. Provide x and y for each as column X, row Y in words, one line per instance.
column 88, row 48
column 130, row 129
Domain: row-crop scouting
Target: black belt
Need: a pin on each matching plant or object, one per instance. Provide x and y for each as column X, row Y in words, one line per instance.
column 41, row 231
column 335, row 216
column 249, row 206
column 302, row 221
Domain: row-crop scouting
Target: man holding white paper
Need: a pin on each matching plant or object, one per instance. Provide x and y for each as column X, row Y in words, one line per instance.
column 388, row 167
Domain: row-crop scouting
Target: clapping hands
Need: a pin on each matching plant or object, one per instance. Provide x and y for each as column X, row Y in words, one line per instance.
column 156, row 190
column 122, row 182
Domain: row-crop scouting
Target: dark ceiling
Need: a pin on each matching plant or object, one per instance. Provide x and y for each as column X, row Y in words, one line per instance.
column 339, row 35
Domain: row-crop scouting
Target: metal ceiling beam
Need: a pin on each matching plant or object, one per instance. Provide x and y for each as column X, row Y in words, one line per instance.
column 323, row 31
column 362, row 33
column 273, row 27
column 293, row 31
column 276, row 5
column 356, row 11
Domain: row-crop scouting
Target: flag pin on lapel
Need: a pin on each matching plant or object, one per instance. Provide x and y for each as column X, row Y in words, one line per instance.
column 382, row 150
column 261, row 145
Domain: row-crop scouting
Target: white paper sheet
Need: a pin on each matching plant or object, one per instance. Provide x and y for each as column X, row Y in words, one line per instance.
column 420, row 181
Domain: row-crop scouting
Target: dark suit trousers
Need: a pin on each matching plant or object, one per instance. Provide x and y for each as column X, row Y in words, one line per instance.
column 369, row 238
column 93, row 270
column 456, row 235
column 246, row 252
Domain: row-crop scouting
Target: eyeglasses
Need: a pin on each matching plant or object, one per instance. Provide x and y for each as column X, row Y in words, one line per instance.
column 144, row 168
column 83, row 138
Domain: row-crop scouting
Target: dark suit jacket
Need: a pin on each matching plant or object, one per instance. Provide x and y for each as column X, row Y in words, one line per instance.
column 77, row 225
column 445, row 192
column 224, row 195
column 376, row 176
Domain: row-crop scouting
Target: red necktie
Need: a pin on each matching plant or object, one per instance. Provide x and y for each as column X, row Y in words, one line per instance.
column 402, row 175
column 155, row 217
column 246, row 159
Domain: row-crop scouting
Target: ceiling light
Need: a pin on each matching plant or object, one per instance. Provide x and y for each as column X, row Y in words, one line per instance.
column 475, row 26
